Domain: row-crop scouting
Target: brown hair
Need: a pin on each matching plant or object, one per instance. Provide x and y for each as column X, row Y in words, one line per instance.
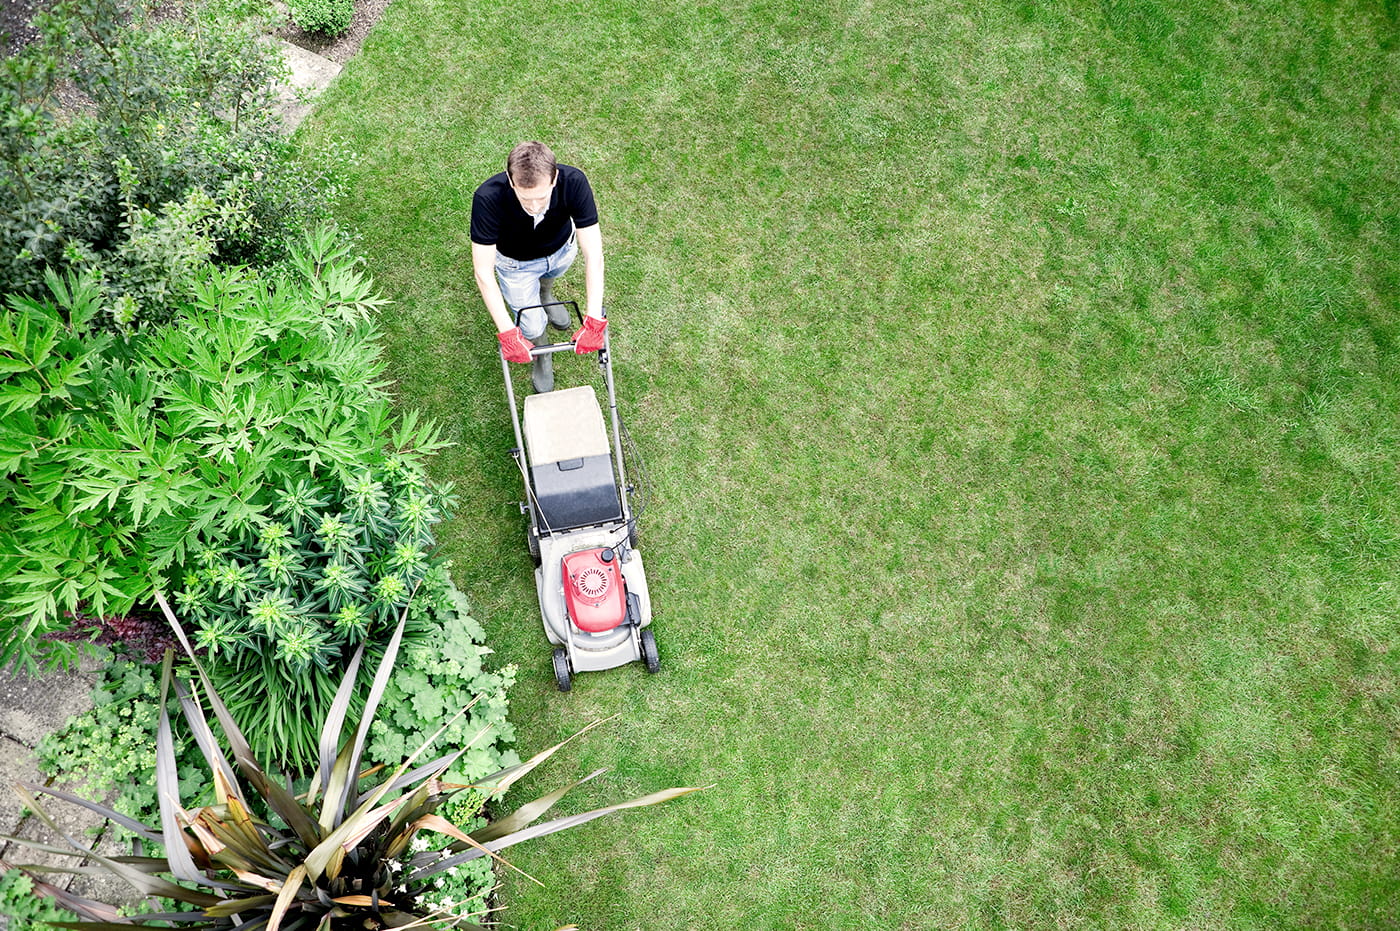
column 530, row 164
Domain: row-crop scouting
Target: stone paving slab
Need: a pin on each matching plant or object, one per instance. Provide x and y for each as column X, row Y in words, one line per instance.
column 106, row 887
column 75, row 821
column 32, row 708
column 17, row 764
column 310, row 74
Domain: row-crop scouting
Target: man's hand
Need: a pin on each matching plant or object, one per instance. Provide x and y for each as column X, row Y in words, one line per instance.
column 590, row 336
column 514, row 346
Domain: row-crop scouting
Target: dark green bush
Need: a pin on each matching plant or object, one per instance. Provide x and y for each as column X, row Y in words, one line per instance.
column 140, row 141
column 245, row 455
column 328, row 17
column 55, row 557
column 116, row 454
column 281, row 610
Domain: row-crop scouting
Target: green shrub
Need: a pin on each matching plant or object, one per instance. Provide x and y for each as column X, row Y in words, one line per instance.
column 249, row 454
column 328, row 17
column 55, row 558
column 281, row 611
column 122, row 456
column 163, row 150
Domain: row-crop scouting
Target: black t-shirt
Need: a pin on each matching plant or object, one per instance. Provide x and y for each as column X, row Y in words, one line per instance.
column 499, row 220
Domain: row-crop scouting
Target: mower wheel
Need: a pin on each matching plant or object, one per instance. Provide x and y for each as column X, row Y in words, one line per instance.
column 532, row 545
column 563, row 676
column 649, row 654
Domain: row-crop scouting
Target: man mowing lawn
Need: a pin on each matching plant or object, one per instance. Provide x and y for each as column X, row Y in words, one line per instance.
column 528, row 224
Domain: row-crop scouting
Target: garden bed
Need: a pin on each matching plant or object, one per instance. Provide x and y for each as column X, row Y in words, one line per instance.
column 338, row 49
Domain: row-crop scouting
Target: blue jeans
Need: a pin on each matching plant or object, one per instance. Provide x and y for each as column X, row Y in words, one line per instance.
column 520, row 283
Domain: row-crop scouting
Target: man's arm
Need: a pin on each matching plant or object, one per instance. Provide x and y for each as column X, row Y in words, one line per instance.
column 590, row 243
column 484, row 268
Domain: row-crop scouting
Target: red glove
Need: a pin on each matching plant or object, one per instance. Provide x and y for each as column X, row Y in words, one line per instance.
column 590, row 336
column 514, row 346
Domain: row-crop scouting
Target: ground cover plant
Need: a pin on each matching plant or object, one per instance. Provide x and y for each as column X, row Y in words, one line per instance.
column 1017, row 383
column 329, row 17
column 19, row 903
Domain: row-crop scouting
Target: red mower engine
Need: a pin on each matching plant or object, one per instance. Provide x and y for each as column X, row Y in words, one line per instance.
column 593, row 590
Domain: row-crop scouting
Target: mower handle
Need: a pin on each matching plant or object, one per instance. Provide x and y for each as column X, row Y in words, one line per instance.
column 550, row 349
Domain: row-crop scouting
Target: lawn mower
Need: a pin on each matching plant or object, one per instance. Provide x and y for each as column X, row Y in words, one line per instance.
column 582, row 532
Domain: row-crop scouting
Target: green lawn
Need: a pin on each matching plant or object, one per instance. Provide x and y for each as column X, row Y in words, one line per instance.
column 1017, row 383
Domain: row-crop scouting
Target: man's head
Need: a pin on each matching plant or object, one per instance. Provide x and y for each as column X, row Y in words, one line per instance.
column 531, row 169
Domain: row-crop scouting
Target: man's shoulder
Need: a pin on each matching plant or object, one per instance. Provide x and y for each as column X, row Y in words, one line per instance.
column 577, row 196
column 573, row 179
column 493, row 187
column 488, row 207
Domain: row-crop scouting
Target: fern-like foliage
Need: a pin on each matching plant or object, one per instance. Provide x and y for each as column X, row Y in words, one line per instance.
column 246, row 454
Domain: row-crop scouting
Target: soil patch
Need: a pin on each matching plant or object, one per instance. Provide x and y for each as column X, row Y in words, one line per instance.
column 16, row 30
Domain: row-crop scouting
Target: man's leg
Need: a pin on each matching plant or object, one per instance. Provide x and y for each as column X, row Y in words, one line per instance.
column 542, row 369
column 520, row 286
column 532, row 323
column 558, row 313
column 555, row 266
